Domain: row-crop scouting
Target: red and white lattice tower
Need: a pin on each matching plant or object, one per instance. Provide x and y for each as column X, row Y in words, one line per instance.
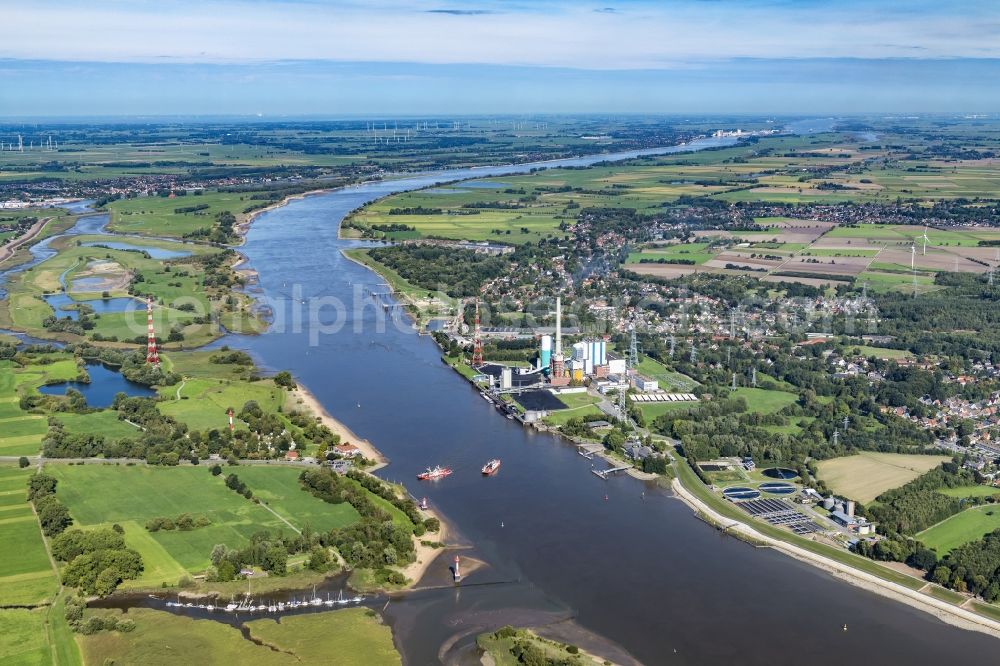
column 151, row 354
column 477, row 343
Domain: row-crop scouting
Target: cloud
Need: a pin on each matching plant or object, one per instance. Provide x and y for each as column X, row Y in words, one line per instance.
column 461, row 12
column 583, row 35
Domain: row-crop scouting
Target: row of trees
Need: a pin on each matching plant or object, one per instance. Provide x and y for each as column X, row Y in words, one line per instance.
column 184, row 522
column 52, row 514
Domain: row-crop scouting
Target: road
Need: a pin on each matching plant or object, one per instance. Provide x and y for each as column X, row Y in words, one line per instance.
column 7, row 251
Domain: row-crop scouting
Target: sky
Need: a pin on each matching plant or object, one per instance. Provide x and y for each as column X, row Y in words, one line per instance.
column 390, row 58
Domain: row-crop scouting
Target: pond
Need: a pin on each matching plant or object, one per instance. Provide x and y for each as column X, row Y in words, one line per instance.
column 154, row 252
column 62, row 304
column 104, row 384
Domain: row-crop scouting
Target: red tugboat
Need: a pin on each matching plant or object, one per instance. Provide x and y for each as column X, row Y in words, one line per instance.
column 491, row 467
column 437, row 472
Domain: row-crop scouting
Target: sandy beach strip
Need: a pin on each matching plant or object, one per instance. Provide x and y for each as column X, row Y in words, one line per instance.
column 426, row 555
column 943, row 610
column 304, row 396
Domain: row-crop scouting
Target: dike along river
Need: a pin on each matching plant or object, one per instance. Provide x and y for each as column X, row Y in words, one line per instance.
column 636, row 569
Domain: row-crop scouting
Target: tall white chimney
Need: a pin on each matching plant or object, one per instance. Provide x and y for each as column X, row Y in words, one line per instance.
column 558, row 327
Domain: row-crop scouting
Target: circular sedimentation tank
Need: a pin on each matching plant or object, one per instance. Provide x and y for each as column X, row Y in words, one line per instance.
column 777, row 488
column 741, row 493
column 780, row 473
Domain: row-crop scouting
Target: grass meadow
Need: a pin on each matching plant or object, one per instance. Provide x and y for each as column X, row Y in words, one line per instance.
column 346, row 637
column 131, row 495
column 26, row 575
column 961, row 528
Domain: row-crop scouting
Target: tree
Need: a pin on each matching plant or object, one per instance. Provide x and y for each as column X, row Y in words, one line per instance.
column 23, row 462
column 40, row 485
column 219, row 552
column 53, row 516
column 941, row 575
column 107, row 581
column 284, row 379
column 319, row 559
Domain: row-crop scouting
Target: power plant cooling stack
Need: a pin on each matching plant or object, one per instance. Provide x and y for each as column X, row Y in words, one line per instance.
column 545, row 358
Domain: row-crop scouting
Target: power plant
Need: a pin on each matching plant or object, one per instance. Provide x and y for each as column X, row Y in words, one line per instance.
column 587, row 358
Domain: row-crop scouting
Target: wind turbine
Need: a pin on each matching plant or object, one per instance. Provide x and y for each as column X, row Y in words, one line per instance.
column 913, row 267
column 925, row 239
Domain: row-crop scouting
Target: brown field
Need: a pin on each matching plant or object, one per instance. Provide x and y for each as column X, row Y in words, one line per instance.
column 663, row 270
column 865, row 476
column 934, row 260
column 724, row 258
column 831, row 265
column 988, row 254
column 828, row 243
column 711, row 233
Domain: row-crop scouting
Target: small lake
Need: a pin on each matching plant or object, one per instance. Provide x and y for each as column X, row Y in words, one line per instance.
column 104, row 384
column 154, row 252
column 100, row 306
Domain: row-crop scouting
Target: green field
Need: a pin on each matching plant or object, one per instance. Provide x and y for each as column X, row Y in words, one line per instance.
column 107, row 494
column 131, row 495
column 669, row 380
column 866, row 475
column 26, row 575
column 279, row 488
column 696, row 252
column 21, row 433
column 961, row 528
column 882, row 352
column 105, row 422
column 346, row 637
column 23, row 639
column 764, row 401
column 202, row 403
column 971, row 491
column 157, row 216
column 652, row 410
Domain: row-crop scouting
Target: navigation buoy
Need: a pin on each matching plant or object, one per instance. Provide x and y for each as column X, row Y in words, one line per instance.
column 605, row 498
column 845, row 627
column 501, row 523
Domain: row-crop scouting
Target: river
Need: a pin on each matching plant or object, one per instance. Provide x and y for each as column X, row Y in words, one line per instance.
column 618, row 558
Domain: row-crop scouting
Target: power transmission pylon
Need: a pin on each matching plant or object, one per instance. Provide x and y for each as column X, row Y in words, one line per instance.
column 477, row 342
column 152, row 356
